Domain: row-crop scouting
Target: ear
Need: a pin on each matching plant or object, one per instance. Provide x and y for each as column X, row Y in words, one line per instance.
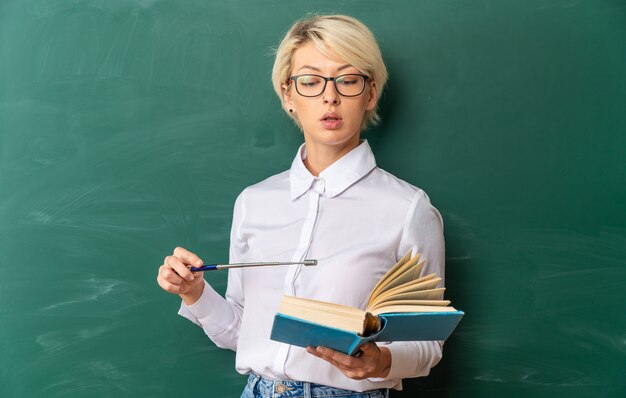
column 286, row 91
column 373, row 96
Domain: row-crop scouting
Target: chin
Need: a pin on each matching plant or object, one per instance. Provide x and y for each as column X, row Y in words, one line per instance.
column 337, row 142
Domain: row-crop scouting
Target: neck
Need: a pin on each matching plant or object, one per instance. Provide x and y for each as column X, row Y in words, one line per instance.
column 319, row 156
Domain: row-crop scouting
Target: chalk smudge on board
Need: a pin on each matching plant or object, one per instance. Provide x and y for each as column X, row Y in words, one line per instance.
column 58, row 340
column 535, row 378
column 96, row 289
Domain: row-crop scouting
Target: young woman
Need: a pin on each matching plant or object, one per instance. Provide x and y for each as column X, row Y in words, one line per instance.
column 333, row 205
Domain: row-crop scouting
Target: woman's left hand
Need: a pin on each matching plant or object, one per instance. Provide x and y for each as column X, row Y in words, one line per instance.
column 373, row 362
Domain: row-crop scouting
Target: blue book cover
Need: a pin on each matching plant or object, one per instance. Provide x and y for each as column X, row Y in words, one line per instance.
column 411, row 326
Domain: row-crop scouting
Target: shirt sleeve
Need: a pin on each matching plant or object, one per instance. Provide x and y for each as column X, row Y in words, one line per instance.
column 422, row 233
column 220, row 317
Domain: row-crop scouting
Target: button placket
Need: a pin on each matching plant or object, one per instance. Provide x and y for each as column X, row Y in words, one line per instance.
column 299, row 255
column 305, row 241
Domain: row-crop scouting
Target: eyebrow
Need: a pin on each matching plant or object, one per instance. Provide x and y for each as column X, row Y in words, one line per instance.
column 346, row 66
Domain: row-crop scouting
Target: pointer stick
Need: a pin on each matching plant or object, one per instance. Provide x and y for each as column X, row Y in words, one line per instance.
column 213, row 267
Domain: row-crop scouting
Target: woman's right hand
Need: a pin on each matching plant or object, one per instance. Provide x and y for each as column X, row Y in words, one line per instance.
column 175, row 277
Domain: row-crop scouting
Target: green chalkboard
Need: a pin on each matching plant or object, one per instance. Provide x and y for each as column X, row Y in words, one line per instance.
column 129, row 127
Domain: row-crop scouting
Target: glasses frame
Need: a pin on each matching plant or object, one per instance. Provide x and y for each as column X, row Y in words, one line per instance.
column 294, row 78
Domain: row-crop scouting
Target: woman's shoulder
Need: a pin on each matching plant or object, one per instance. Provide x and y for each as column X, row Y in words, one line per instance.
column 400, row 192
column 275, row 183
column 394, row 185
column 397, row 190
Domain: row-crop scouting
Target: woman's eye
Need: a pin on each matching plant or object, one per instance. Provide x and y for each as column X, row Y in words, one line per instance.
column 347, row 81
column 309, row 81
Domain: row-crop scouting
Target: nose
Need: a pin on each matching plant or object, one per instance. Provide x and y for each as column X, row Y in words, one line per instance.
column 330, row 94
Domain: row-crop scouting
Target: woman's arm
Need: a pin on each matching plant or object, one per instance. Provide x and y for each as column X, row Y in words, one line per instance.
column 220, row 317
column 422, row 233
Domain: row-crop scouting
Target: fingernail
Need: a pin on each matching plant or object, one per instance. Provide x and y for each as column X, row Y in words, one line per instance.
column 321, row 350
column 198, row 263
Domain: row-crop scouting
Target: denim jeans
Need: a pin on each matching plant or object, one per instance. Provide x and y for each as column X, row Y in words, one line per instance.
column 259, row 387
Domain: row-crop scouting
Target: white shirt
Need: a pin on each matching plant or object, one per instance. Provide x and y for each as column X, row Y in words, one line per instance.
column 357, row 220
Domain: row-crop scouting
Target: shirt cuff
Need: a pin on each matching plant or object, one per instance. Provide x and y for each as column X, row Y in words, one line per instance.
column 211, row 311
column 401, row 361
column 407, row 359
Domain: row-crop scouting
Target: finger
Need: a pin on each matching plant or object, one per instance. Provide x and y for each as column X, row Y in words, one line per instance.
column 353, row 373
column 178, row 266
column 352, row 367
column 198, row 275
column 187, row 257
column 357, row 373
column 338, row 357
column 170, row 275
column 168, row 286
column 313, row 351
column 369, row 347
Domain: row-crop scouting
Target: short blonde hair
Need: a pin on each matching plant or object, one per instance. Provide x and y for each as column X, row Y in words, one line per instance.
column 333, row 35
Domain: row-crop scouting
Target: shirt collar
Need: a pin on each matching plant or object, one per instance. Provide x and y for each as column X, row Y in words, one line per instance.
column 337, row 177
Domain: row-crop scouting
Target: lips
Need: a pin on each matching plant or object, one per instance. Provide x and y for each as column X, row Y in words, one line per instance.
column 331, row 116
column 331, row 120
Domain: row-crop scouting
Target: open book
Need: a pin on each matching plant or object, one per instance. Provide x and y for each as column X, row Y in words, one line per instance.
column 402, row 307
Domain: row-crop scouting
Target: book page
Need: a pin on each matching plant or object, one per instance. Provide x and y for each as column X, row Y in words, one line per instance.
column 429, row 294
column 411, row 308
column 391, row 271
column 323, row 313
column 405, row 270
column 391, row 303
column 321, row 306
column 405, row 275
column 424, row 283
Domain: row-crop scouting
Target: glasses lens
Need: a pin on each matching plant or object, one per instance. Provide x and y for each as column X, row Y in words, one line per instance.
column 350, row 85
column 310, row 85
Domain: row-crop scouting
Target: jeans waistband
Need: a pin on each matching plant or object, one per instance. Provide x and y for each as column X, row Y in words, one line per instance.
column 290, row 388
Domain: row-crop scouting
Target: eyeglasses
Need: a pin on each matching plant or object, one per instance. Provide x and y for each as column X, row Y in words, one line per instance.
column 350, row 85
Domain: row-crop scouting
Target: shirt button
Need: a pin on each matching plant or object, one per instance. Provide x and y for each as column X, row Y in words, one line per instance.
column 280, row 388
column 319, row 185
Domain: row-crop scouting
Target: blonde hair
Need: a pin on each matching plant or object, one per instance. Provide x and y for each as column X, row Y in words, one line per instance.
column 333, row 35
